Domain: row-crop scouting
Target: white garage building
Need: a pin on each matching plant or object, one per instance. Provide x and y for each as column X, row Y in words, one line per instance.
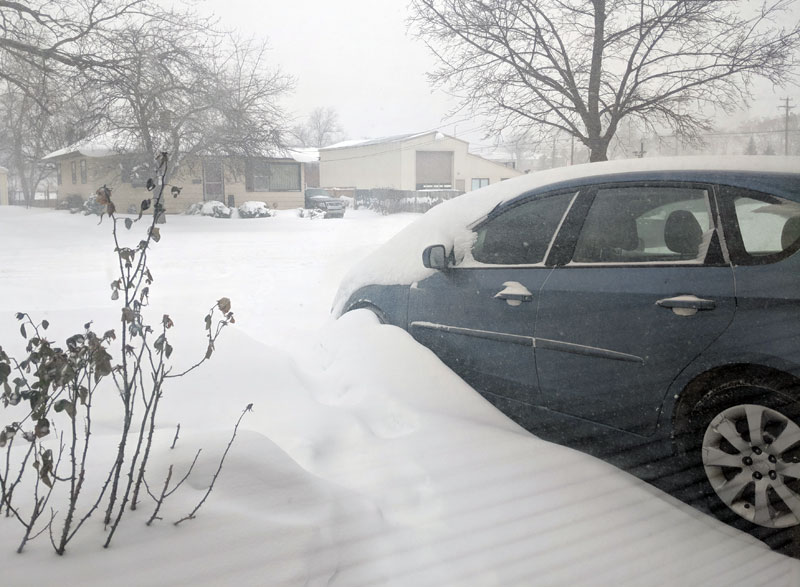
column 422, row 161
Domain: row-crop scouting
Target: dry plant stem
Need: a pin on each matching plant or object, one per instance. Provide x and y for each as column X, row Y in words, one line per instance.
column 39, row 507
column 177, row 432
column 8, row 488
column 166, row 492
column 129, row 385
column 191, row 515
column 78, row 467
column 212, row 338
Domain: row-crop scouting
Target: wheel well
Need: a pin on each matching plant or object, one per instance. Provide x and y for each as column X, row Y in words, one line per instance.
column 722, row 376
column 367, row 305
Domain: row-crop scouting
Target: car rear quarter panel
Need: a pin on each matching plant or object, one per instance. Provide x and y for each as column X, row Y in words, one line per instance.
column 765, row 331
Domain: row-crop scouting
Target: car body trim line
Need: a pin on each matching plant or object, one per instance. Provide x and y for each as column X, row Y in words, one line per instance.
column 488, row 334
column 590, row 351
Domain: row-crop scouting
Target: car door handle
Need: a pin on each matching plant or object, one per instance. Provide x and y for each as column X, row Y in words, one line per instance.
column 687, row 305
column 514, row 293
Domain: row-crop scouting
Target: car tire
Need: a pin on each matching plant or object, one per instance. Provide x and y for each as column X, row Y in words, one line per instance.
column 744, row 451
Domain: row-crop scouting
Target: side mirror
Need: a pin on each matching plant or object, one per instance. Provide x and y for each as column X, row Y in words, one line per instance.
column 435, row 257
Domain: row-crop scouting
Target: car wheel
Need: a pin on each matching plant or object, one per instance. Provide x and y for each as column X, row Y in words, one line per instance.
column 746, row 437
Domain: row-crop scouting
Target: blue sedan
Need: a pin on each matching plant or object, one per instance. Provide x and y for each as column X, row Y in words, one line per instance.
column 640, row 310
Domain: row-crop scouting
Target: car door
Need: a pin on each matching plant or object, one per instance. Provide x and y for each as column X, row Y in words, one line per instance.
column 478, row 316
column 641, row 288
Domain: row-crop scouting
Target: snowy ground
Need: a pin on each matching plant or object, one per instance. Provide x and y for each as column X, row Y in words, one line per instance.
column 365, row 461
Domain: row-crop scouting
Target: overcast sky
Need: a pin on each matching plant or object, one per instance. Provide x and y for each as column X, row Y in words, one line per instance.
column 357, row 57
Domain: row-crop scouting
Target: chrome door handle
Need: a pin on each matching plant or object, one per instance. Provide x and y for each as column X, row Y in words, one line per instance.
column 686, row 305
column 514, row 293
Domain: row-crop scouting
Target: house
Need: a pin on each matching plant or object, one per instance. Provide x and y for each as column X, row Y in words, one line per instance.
column 85, row 166
column 3, row 186
column 422, row 161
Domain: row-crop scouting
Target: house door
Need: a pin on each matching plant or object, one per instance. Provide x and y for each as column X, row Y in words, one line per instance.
column 213, row 180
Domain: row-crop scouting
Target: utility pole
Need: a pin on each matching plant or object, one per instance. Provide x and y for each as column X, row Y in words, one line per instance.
column 786, row 109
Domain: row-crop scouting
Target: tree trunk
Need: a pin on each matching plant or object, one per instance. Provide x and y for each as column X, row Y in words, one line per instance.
column 599, row 153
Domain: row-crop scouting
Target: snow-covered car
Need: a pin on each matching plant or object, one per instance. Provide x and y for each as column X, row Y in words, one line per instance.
column 321, row 199
column 644, row 311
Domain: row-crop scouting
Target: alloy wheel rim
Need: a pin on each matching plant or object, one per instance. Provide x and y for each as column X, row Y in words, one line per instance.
column 751, row 456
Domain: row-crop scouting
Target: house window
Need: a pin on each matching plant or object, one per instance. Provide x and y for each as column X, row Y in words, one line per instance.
column 83, row 171
column 58, row 173
column 266, row 176
column 74, row 169
column 479, row 182
column 260, row 175
column 284, row 177
column 134, row 171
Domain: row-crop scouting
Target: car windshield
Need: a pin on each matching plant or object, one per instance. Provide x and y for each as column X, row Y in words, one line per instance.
column 399, row 292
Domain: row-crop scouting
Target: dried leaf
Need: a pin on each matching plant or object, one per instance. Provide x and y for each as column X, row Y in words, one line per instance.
column 64, row 405
column 22, row 331
column 45, row 324
column 20, row 315
column 175, row 191
column 224, row 304
column 128, row 315
column 42, row 428
column 151, row 185
column 128, row 223
column 168, row 350
column 115, row 294
column 103, row 195
column 209, row 350
column 155, row 233
column 111, row 208
column 46, row 467
column 167, row 321
column 208, row 321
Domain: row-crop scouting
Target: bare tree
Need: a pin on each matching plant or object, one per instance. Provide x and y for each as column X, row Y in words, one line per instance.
column 182, row 87
column 580, row 67
column 320, row 130
column 62, row 113
column 43, row 33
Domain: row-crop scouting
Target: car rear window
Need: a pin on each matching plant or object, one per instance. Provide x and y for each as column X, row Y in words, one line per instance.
column 768, row 225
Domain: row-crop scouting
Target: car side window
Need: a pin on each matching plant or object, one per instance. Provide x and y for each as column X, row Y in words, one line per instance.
column 768, row 225
column 522, row 234
column 646, row 224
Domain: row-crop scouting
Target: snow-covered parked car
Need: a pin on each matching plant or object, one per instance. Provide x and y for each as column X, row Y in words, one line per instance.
column 321, row 199
column 644, row 311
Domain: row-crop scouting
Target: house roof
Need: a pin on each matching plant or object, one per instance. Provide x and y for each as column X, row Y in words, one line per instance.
column 116, row 142
column 301, row 154
column 390, row 139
